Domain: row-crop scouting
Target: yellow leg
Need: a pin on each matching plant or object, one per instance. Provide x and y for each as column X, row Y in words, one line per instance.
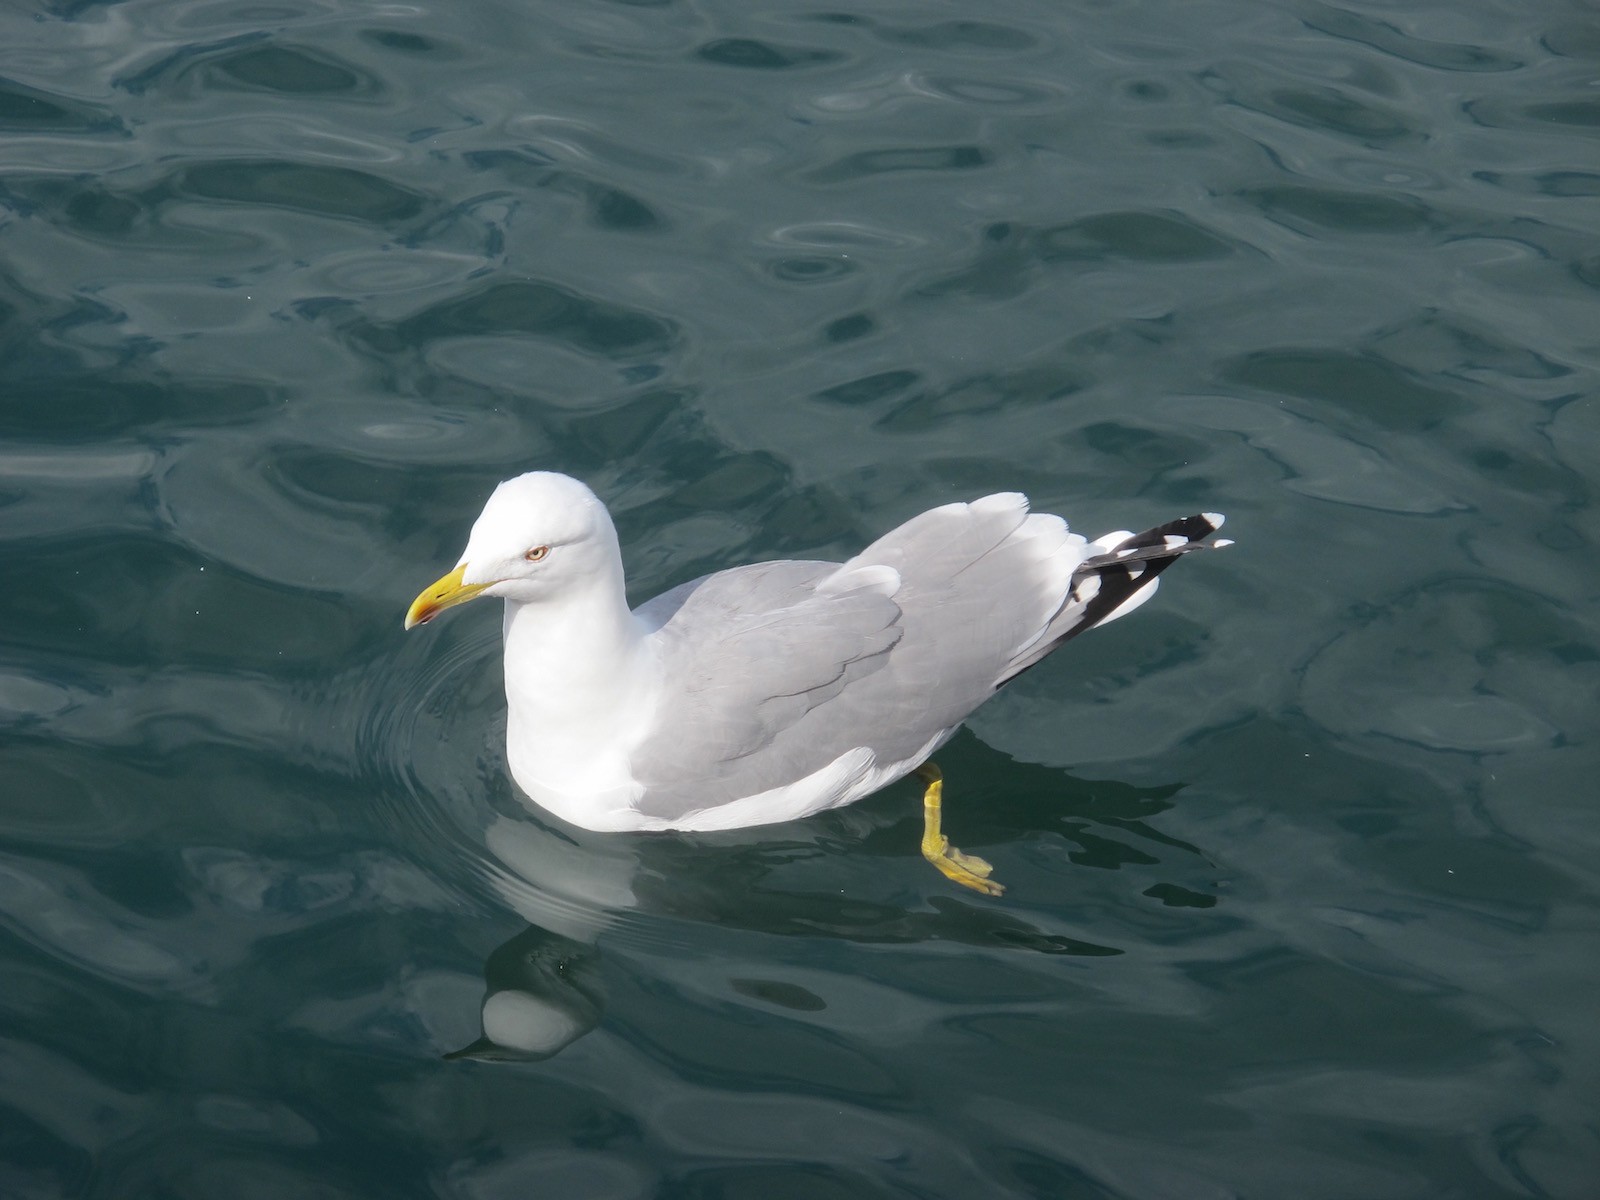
column 966, row 869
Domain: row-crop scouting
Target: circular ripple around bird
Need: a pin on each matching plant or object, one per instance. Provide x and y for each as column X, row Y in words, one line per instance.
column 430, row 734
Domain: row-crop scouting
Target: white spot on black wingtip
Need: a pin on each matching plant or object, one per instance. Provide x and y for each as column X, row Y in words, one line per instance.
column 1104, row 583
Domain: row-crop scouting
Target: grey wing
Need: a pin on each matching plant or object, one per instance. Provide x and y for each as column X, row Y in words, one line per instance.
column 746, row 655
column 889, row 652
column 981, row 584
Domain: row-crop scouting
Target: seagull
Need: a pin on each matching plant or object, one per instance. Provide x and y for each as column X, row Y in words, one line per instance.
column 773, row 691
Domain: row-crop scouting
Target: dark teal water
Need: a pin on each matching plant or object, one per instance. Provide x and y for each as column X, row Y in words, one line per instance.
column 1302, row 858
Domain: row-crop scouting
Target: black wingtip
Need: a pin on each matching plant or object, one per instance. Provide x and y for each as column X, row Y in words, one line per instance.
column 1156, row 547
column 1135, row 562
column 1105, row 582
column 1194, row 528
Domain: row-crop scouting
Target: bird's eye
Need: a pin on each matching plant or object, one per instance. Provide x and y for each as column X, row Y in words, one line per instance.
column 536, row 553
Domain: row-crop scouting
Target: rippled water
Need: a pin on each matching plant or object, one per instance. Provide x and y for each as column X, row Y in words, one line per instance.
column 1301, row 859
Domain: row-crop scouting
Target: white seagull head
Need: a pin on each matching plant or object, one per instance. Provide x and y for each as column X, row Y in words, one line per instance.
column 538, row 535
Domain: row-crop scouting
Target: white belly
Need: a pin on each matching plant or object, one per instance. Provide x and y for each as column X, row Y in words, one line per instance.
column 606, row 799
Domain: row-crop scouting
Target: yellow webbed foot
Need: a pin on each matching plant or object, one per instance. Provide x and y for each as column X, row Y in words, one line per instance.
column 966, row 869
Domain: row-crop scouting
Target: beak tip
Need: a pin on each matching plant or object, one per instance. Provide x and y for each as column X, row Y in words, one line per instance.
column 446, row 593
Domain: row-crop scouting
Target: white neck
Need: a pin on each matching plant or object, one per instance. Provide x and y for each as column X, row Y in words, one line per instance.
column 579, row 678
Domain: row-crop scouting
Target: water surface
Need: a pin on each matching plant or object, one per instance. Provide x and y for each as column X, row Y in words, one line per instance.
column 1301, row 859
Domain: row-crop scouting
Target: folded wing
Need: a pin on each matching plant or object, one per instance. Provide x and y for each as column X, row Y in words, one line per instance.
column 779, row 669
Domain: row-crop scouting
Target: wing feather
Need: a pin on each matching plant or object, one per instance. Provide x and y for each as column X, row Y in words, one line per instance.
column 748, row 653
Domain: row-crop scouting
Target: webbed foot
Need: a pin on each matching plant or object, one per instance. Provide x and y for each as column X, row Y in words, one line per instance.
column 966, row 869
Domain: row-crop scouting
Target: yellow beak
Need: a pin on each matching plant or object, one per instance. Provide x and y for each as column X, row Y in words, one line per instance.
column 447, row 593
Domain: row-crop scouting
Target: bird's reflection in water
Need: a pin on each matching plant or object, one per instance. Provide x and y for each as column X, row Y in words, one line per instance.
column 544, row 987
column 543, row 993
